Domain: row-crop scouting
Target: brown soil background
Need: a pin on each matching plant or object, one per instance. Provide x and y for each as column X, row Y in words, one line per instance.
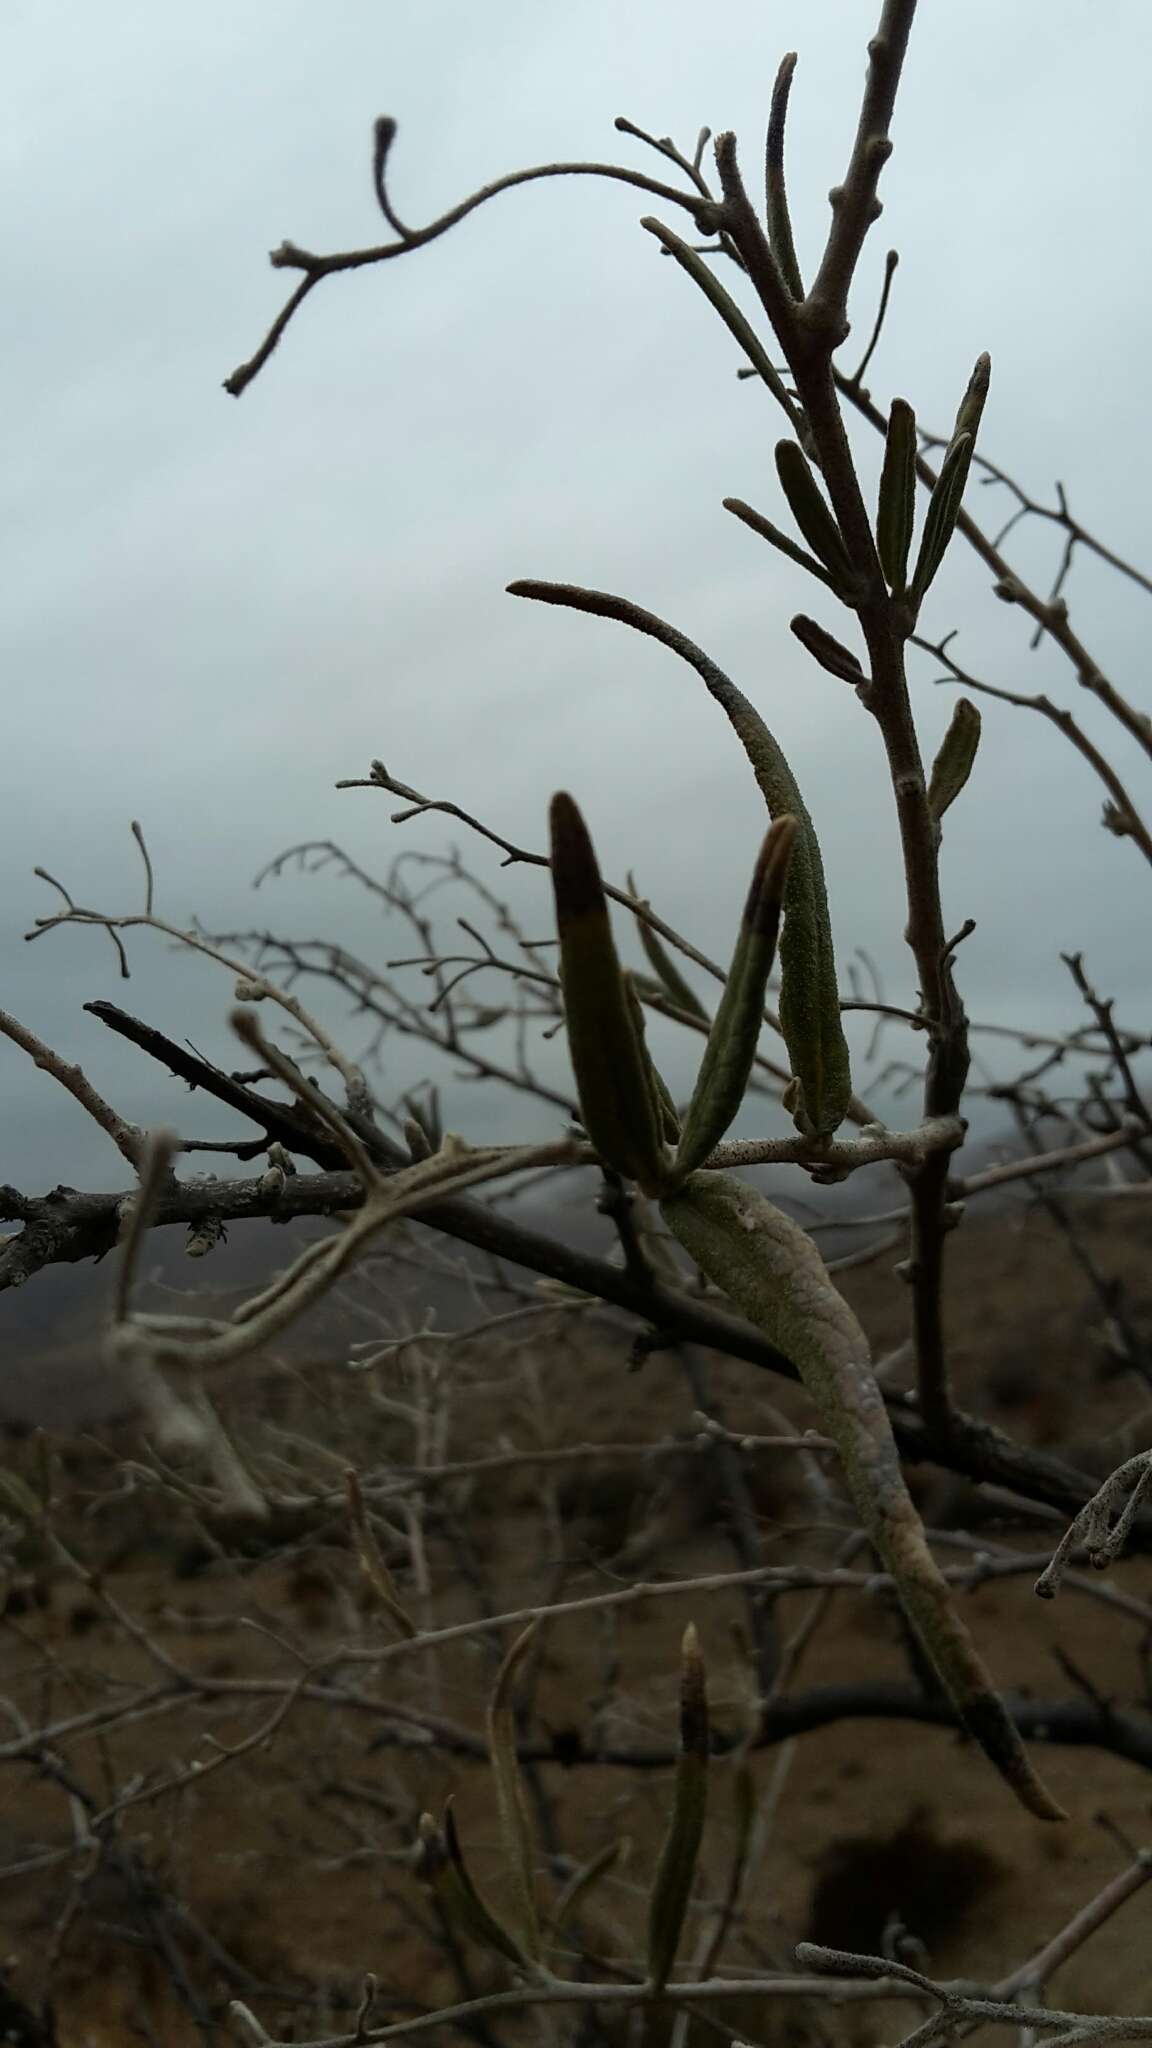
column 294, row 1857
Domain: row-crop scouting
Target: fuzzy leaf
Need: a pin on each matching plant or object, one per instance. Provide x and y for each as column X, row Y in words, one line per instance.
column 896, row 512
column 664, row 966
column 953, row 764
column 971, row 409
column 677, row 1868
column 828, row 651
column 514, row 1825
column 732, row 1041
column 613, row 1073
column 777, row 538
column 441, row 1865
column 776, row 196
column 943, row 512
column 812, row 515
column 948, row 492
column 809, row 1004
column 737, row 323
column 372, row 1560
column 771, row 1270
column 809, row 996
column 663, row 1108
column 583, row 1880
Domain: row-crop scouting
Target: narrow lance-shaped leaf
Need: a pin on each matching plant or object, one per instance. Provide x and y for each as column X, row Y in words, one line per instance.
column 609, row 1061
column 971, row 408
column 896, row 511
column 583, row 1881
column 777, row 538
column 953, row 764
column 812, row 515
column 732, row 1041
column 426, row 1115
column 664, row 966
column 828, row 651
column 734, row 320
column 372, row 1560
column 771, row 1270
column 514, row 1825
column 677, row 1868
column 776, row 194
column 440, row 1864
column 663, row 1107
column 943, row 512
column 18, row 1500
column 944, row 504
column 744, row 1805
column 809, row 996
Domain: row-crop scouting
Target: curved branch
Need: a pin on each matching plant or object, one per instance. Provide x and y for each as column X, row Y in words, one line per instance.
column 1120, row 815
column 289, row 257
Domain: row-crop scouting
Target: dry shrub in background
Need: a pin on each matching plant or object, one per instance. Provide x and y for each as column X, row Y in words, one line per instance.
column 414, row 1653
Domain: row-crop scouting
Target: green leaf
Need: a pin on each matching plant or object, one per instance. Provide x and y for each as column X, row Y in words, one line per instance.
column 896, row 512
column 953, row 763
column 372, row 1560
column 809, row 996
column 440, row 1865
column 828, row 651
column 514, row 1825
column 777, row 538
column 776, row 196
column 427, row 1118
column 18, row 1500
column 584, row 1880
column 677, row 1868
column 948, row 492
column 971, row 410
column 663, row 1108
column 732, row 1041
column 770, row 1269
column 612, row 1069
column 734, row 320
column 943, row 512
column 663, row 965
column 812, row 515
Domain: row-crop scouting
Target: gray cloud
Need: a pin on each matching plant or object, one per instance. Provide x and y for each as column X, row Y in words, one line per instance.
column 213, row 610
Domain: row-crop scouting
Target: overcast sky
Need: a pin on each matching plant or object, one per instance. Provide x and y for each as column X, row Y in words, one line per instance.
column 211, row 610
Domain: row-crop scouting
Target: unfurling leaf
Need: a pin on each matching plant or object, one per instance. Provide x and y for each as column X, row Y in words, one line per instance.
column 771, row 1270
column 514, row 1825
column 896, row 511
column 953, row 764
column 948, row 492
column 732, row 1041
column 811, row 512
column 613, row 1073
column 677, row 1868
column 827, row 650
